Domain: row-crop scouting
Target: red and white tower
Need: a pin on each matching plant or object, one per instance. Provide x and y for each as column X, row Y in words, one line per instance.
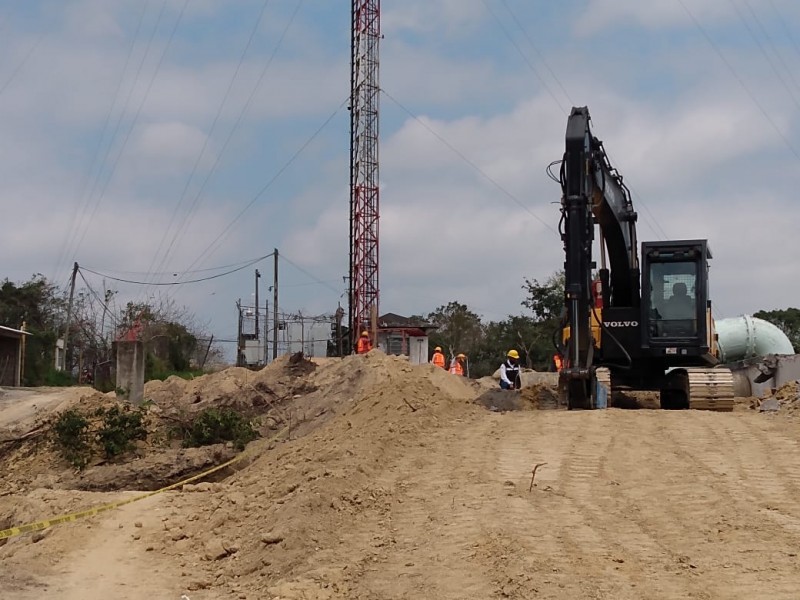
column 364, row 206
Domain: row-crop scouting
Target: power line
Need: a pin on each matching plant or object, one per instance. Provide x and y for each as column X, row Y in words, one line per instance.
column 315, row 278
column 235, row 128
column 218, row 275
column 135, row 119
column 655, row 226
column 786, row 30
column 771, row 43
column 210, row 248
column 256, row 23
column 85, row 184
column 21, row 64
column 472, row 164
column 205, row 270
column 740, row 80
column 525, row 57
column 97, row 297
column 764, row 52
column 87, row 200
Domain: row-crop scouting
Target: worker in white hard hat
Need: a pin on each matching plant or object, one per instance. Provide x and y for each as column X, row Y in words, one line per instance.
column 509, row 372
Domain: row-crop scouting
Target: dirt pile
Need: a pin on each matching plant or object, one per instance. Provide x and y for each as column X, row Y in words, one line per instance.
column 785, row 399
column 272, row 398
column 266, row 531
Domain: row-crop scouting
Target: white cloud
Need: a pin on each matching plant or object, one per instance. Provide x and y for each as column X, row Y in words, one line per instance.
column 171, row 144
column 660, row 14
column 448, row 17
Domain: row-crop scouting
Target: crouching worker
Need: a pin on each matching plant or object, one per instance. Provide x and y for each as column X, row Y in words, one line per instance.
column 509, row 372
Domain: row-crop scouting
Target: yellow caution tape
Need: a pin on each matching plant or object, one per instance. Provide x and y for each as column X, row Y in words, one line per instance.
column 45, row 524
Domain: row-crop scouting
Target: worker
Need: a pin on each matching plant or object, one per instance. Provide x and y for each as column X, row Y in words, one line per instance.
column 438, row 358
column 509, row 372
column 364, row 343
column 558, row 362
column 459, row 366
column 680, row 305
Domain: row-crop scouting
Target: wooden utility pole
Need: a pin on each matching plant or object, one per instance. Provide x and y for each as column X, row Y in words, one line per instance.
column 275, row 308
column 69, row 314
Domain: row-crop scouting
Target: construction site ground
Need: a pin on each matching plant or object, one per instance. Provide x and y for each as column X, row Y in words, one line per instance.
column 375, row 480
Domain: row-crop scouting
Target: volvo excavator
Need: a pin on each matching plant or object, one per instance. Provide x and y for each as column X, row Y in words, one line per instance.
column 634, row 323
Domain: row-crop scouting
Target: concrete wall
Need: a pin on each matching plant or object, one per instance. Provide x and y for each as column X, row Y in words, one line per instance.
column 130, row 371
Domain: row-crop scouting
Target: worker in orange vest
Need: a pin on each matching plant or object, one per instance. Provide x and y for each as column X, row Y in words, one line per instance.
column 364, row 343
column 458, row 367
column 558, row 362
column 438, row 358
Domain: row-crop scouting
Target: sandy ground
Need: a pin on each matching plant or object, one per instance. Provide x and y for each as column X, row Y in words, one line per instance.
column 631, row 504
column 407, row 489
column 20, row 406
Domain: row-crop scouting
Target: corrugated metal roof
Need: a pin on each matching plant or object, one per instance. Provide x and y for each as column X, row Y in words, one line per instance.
column 13, row 332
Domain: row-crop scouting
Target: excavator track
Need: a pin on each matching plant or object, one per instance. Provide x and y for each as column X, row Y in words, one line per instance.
column 710, row 389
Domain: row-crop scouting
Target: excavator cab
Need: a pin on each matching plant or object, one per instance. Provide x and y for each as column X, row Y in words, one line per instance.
column 675, row 301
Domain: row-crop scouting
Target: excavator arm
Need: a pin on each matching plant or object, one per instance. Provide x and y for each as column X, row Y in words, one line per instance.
column 593, row 193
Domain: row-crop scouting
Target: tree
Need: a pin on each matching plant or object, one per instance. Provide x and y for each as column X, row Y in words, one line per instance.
column 545, row 300
column 459, row 329
column 41, row 306
column 788, row 320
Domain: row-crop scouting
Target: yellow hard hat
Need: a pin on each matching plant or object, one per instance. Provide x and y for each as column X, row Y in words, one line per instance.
column 513, row 354
column 437, row 349
column 364, row 334
column 461, row 356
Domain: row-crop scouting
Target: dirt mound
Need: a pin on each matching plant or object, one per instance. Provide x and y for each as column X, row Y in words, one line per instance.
column 540, row 396
column 260, row 531
column 785, row 400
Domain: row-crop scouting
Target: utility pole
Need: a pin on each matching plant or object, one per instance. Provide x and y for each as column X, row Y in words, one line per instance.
column 339, row 317
column 239, row 334
column 69, row 313
column 256, row 306
column 275, row 308
column 266, row 330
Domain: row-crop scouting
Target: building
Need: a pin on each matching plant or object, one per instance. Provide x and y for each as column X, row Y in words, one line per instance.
column 404, row 336
column 12, row 356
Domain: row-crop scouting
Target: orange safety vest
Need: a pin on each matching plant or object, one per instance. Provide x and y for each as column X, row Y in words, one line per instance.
column 558, row 362
column 438, row 359
column 364, row 345
column 456, row 368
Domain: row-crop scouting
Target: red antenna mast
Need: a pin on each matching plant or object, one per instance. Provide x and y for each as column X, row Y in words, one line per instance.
column 364, row 205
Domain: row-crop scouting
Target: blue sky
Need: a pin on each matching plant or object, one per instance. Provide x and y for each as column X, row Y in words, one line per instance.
column 101, row 134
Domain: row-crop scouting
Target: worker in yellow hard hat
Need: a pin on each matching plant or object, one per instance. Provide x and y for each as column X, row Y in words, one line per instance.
column 438, row 358
column 509, row 372
column 364, row 343
column 459, row 365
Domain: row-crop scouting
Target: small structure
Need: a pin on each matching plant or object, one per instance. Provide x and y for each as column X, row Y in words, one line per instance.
column 12, row 355
column 404, row 336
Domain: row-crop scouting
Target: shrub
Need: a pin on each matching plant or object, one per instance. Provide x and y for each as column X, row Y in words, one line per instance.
column 214, row 426
column 121, row 427
column 72, row 440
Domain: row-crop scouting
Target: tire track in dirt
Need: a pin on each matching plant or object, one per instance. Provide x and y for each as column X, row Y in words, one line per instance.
column 729, row 469
column 440, row 493
column 642, row 565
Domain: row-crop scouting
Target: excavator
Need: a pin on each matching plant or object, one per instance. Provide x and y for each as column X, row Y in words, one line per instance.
column 642, row 321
